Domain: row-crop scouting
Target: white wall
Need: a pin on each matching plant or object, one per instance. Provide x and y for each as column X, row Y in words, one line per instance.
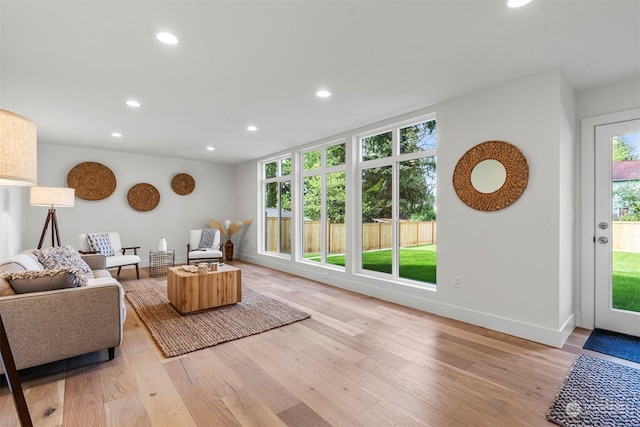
column 608, row 99
column 174, row 216
column 568, row 189
column 11, row 219
column 511, row 262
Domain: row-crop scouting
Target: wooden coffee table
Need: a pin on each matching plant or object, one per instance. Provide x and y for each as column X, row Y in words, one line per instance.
column 192, row 292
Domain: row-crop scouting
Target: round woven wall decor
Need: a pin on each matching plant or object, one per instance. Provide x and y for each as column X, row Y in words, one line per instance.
column 183, row 184
column 143, row 197
column 92, row 181
column 517, row 176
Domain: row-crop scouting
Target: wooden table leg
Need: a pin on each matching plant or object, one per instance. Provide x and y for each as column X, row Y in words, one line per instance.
column 10, row 371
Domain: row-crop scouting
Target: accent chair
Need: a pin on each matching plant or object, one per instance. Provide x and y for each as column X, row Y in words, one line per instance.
column 109, row 245
column 204, row 246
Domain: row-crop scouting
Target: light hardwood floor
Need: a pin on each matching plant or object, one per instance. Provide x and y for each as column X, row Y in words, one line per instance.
column 358, row 361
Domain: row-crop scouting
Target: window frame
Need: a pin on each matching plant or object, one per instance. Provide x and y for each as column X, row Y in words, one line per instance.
column 322, row 171
column 394, row 161
column 279, row 178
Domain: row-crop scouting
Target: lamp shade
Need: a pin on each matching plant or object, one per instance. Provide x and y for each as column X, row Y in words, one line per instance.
column 18, row 150
column 52, row 196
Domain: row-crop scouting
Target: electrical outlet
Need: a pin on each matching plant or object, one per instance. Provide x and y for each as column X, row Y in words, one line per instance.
column 325, row 276
column 457, row 282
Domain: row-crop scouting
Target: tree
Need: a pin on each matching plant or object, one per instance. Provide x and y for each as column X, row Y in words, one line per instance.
column 311, row 198
column 416, row 181
column 417, row 190
column 335, row 185
column 335, row 197
column 628, row 195
column 622, row 150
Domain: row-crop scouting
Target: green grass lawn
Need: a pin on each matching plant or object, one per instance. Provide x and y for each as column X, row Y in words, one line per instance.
column 416, row 263
column 419, row 263
column 626, row 281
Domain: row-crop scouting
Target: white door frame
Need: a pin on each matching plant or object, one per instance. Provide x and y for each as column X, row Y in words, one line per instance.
column 587, row 218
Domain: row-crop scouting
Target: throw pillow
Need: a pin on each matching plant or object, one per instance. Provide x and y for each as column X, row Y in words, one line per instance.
column 5, row 288
column 100, row 243
column 61, row 257
column 44, row 280
column 207, row 238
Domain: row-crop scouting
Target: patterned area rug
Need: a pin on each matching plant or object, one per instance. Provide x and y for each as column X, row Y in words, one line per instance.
column 598, row 393
column 614, row 344
column 176, row 334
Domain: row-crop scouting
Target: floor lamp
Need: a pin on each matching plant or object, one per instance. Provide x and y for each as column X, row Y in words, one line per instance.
column 18, row 167
column 52, row 197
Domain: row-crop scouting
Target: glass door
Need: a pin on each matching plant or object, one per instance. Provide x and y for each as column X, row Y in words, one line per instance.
column 617, row 227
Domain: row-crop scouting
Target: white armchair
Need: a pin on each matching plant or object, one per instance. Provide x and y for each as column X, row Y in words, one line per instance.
column 198, row 250
column 109, row 244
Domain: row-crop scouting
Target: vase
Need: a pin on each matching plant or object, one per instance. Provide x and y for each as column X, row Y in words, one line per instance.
column 162, row 246
column 228, row 250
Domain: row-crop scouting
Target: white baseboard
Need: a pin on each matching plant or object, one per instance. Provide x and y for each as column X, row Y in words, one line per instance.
column 409, row 297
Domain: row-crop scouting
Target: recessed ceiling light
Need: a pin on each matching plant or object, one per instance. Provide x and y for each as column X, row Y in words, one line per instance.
column 133, row 103
column 252, row 128
column 517, row 3
column 116, row 135
column 166, row 38
column 323, row 93
column 210, row 148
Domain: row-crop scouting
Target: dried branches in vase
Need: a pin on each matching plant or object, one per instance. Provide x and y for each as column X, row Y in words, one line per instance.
column 227, row 230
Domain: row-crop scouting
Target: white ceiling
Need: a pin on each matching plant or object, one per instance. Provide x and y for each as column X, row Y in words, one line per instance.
column 70, row 65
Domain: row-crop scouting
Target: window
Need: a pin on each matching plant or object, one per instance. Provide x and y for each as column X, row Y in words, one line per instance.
column 376, row 146
column 323, row 200
column 398, row 202
column 394, row 192
column 277, row 205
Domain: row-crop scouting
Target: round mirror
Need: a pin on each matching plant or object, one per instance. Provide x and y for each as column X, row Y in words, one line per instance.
column 491, row 176
column 488, row 176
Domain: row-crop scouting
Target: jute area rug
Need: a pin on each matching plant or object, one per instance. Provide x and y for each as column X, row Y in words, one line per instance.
column 598, row 393
column 177, row 334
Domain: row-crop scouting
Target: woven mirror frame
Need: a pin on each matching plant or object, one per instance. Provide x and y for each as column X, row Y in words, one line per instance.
column 517, row 176
column 183, row 184
column 92, row 181
column 143, row 197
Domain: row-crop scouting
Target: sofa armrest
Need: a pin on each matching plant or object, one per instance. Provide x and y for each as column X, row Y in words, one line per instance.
column 43, row 327
column 96, row 261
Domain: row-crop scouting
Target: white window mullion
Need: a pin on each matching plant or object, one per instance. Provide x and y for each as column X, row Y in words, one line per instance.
column 323, row 218
column 297, row 211
column 395, row 200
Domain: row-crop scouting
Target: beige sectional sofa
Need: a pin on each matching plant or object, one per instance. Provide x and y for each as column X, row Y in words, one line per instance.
column 51, row 325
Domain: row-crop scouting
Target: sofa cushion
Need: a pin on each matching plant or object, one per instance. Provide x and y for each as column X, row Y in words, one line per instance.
column 204, row 254
column 120, row 260
column 5, row 286
column 100, row 243
column 44, row 280
column 98, row 274
column 61, row 257
column 27, row 260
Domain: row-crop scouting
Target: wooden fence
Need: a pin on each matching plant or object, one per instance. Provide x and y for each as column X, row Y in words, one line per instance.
column 272, row 235
column 375, row 235
column 625, row 236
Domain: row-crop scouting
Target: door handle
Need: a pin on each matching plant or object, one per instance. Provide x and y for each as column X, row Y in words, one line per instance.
column 603, row 240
